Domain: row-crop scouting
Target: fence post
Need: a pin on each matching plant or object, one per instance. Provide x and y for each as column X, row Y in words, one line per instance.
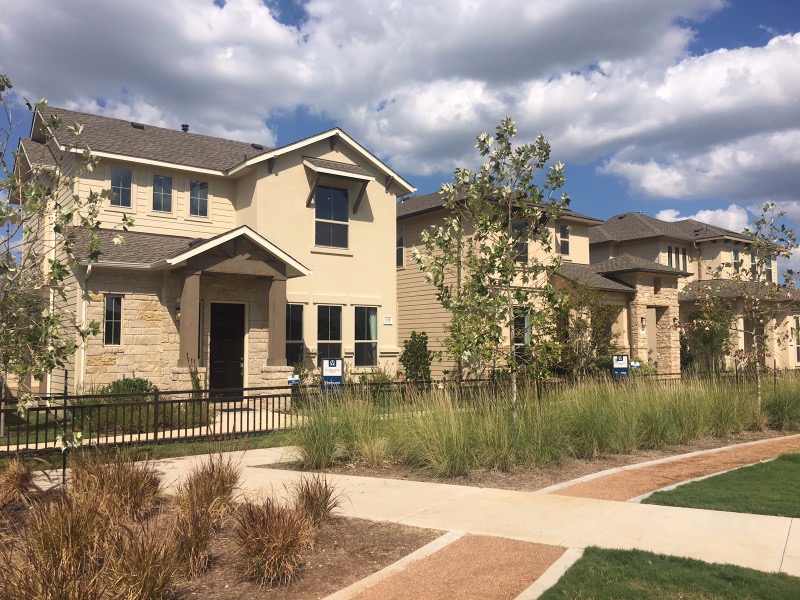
column 155, row 415
column 64, row 451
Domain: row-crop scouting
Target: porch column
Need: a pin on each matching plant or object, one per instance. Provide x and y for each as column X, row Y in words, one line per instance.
column 190, row 319
column 277, row 323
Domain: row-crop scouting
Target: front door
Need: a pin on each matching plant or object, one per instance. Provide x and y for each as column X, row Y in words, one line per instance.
column 226, row 347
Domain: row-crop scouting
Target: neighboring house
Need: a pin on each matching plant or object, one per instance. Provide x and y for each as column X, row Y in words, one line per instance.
column 645, row 291
column 698, row 249
column 242, row 258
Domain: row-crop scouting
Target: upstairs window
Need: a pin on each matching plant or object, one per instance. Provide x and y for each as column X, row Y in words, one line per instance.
column 520, row 237
column 162, row 193
column 332, row 210
column 753, row 265
column 366, row 337
column 121, row 186
column 669, row 256
column 198, row 198
column 563, row 236
column 769, row 269
column 684, row 260
column 401, row 251
column 737, row 260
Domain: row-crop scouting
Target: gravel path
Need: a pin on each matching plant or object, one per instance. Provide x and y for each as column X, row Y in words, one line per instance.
column 471, row 568
column 631, row 483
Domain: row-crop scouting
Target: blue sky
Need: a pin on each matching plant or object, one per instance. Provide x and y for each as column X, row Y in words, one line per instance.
column 676, row 109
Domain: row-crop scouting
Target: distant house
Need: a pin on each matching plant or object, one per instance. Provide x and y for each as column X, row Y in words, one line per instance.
column 244, row 260
column 645, row 291
column 697, row 249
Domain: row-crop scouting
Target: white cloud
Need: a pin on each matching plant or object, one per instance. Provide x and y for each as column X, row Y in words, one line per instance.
column 415, row 80
column 735, row 217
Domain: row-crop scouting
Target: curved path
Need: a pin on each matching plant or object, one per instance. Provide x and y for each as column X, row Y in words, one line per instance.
column 562, row 518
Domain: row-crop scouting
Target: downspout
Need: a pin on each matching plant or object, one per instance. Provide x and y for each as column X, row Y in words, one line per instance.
column 85, row 288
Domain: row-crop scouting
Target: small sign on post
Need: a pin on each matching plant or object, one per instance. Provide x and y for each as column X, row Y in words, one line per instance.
column 332, row 373
column 621, row 366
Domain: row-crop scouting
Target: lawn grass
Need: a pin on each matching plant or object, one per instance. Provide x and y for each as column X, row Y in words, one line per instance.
column 768, row 488
column 50, row 459
column 637, row 575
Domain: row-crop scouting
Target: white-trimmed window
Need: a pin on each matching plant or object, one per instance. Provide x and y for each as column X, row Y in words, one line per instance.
column 162, row 193
column 112, row 321
column 329, row 332
column 332, row 213
column 366, row 337
column 198, row 198
column 121, row 186
column 294, row 334
column 520, row 236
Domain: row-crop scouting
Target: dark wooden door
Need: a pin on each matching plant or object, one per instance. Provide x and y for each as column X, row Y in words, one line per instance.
column 226, row 347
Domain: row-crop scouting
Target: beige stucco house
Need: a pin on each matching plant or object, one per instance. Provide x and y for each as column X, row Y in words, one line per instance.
column 244, row 260
column 698, row 249
column 645, row 291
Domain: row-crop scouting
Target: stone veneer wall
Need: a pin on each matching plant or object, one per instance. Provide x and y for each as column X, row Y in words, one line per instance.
column 668, row 349
column 150, row 338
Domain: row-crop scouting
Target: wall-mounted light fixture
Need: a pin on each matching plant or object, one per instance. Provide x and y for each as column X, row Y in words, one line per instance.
column 644, row 322
column 676, row 323
column 178, row 309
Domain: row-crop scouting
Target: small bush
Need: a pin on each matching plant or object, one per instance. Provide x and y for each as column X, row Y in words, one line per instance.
column 132, row 488
column 315, row 498
column 16, row 483
column 272, row 541
column 416, row 358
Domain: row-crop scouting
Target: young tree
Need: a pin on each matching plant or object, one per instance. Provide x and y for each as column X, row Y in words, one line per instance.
column 584, row 330
column 491, row 259
column 38, row 205
column 748, row 298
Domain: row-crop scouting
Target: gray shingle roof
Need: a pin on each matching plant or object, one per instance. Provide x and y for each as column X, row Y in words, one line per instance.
column 626, row 263
column 337, row 166
column 724, row 288
column 417, row 205
column 587, row 275
column 116, row 136
column 38, row 154
column 634, row 226
column 137, row 247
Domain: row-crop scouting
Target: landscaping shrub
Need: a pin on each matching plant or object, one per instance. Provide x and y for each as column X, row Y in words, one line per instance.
column 16, row 483
column 319, row 435
column 416, row 358
column 272, row 541
column 128, row 489
column 315, row 498
column 782, row 406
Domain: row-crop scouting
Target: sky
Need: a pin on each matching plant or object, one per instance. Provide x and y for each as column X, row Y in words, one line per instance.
column 685, row 108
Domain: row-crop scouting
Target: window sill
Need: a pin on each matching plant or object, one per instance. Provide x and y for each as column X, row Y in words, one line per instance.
column 198, row 218
column 331, row 251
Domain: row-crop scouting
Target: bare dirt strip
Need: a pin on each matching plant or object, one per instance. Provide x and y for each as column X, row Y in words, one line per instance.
column 631, row 483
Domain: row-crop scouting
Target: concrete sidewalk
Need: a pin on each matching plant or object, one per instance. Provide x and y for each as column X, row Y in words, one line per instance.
column 755, row 541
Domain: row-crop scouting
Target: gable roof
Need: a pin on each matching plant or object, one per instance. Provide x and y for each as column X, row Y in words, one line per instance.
column 634, row 226
column 119, row 137
column 419, row 205
column 37, row 154
column 154, row 251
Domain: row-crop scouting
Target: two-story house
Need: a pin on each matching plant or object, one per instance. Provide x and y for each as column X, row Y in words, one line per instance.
column 242, row 260
column 704, row 252
column 645, row 291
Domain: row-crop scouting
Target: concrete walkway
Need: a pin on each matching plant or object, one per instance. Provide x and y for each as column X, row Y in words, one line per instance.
column 755, row 541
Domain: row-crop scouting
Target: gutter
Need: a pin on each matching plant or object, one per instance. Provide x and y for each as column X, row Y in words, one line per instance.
column 85, row 286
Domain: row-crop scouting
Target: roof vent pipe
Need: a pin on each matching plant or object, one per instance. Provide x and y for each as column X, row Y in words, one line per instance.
column 185, row 128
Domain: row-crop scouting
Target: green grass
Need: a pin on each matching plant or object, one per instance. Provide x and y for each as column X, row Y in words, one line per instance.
column 768, row 488
column 637, row 575
column 276, row 439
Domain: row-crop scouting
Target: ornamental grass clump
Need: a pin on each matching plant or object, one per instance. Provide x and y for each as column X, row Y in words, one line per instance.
column 201, row 502
column 319, row 436
column 16, row 483
column 272, row 540
column 315, row 497
column 782, row 406
column 132, row 488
